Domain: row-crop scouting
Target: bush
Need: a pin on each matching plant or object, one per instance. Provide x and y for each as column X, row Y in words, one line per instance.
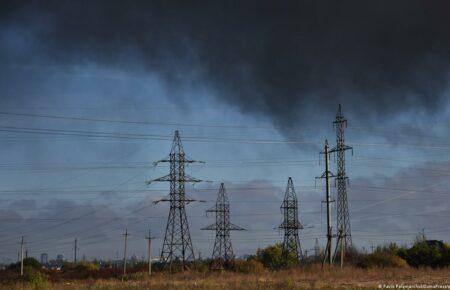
column 37, row 280
column 30, row 263
column 382, row 259
column 427, row 253
column 271, row 257
column 200, row 266
column 251, row 266
column 86, row 266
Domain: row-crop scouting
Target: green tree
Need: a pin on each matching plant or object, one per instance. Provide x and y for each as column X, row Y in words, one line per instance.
column 271, row 257
column 426, row 253
column 30, row 263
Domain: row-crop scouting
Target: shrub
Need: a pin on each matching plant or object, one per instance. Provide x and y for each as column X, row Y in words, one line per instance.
column 271, row 257
column 30, row 263
column 382, row 259
column 427, row 253
column 37, row 280
column 251, row 266
column 200, row 266
column 86, row 266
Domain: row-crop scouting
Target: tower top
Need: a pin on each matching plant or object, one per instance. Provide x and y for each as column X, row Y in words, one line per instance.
column 290, row 194
column 177, row 146
column 339, row 112
column 340, row 116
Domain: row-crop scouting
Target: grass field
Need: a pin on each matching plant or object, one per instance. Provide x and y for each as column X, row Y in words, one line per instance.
column 310, row 277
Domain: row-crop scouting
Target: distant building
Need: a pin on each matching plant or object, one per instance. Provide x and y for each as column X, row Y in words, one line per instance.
column 133, row 260
column 44, row 258
column 60, row 258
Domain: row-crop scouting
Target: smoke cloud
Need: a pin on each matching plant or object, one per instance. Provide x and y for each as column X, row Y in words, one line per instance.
column 282, row 59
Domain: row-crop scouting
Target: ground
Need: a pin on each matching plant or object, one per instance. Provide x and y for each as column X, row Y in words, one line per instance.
column 312, row 277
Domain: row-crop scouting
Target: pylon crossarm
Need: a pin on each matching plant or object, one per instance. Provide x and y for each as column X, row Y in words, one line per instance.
column 212, row 227
column 194, row 161
column 234, row 227
column 162, row 178
column 342, row 148
column 155, row 163
column 324, row 175
column 211, row 210
column 161, row 200
column 189, row 200
column 188, row 178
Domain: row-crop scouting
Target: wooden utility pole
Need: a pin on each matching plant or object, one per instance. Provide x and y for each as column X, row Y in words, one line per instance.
column 341, row 236
column 125, row 253
column 327, row 184
column 21, row 257
column 149, row 238
column 75, row 251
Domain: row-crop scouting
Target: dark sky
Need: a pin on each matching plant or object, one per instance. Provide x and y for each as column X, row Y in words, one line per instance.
column 252, row 85
column 283, row 59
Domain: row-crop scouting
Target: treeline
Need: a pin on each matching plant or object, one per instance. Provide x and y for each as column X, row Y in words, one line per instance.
column 423, row 253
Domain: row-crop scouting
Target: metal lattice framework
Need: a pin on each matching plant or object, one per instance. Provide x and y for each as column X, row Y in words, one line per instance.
column 291, row 223
column 342, row 212
column 223, row 250
column 177, row 246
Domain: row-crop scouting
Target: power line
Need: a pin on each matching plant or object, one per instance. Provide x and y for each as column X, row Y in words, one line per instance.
column 75, row 118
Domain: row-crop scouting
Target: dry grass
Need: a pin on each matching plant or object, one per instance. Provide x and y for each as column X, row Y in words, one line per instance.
column 310, row 277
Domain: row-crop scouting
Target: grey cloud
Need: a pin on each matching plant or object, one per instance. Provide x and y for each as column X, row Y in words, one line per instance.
column 284, row 60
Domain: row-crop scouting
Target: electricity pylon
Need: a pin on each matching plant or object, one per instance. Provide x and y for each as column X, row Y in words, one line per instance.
column 342, row 213
column 223, row 251
column 327, row 175
column 177, row 245
column 290, row 224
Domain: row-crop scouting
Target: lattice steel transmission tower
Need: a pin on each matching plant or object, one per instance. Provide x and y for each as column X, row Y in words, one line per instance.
column 342, row 213
column 177, row 246
column 223, row 251
column 291, row 223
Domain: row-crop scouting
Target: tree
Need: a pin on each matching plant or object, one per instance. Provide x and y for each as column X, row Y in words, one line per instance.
column 271, row 257
column 29, row 262
column 426, row 253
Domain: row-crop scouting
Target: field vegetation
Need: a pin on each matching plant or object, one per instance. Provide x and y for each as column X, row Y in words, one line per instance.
column 425, row 263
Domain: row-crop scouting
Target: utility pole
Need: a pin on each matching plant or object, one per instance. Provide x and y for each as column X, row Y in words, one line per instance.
column 149, row 238
column 341, row 236
column 327, row 175
column 21, row 256
column 75, row 252
column 342, row 212
column 125, row 252
column 316, row 248
column 291, row 224
column 223, row 251
column 177, row 245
